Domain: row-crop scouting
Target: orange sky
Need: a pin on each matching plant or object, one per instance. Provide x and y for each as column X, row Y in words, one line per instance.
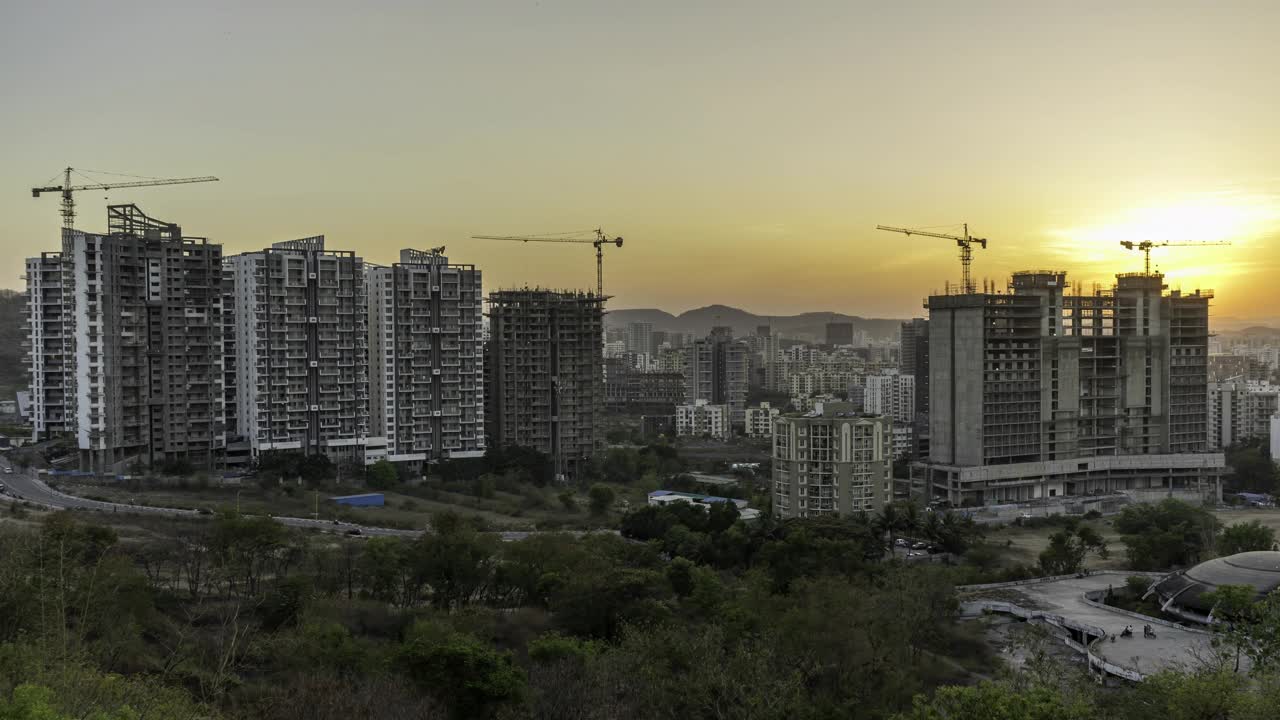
column 745, row 150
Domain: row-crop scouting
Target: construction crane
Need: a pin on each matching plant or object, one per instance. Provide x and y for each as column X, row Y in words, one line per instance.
column 66, row 189
column 598, row 242
column 964, row 242
column 1145, row 247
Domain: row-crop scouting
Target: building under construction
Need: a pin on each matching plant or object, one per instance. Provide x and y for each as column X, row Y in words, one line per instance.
column 545, row 380
column 1040, row 393
column 135, row 334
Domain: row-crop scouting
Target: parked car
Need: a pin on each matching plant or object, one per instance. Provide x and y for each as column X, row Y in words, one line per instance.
column 354, row 531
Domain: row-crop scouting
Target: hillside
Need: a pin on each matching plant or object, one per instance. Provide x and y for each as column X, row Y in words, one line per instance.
column 700, row 321
column 13, row 368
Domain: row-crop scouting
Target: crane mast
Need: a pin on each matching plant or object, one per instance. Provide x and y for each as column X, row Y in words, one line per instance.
column 66, row 190
column 964, row 242
column 1145, row 246
column 598, row 242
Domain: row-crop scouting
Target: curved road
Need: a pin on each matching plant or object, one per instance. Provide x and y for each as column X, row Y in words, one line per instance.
column 27, row 486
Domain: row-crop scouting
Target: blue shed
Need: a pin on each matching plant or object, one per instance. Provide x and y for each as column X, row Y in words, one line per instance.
column 365, row 500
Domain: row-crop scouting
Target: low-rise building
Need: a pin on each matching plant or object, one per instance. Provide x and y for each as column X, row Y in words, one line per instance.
column 702, row 419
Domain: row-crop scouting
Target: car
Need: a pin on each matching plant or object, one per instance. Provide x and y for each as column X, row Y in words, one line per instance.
column 204, row 511
column 1024, row 516
column 8, row 471
column 919, row 546
column 354, row 531
column 900, row 542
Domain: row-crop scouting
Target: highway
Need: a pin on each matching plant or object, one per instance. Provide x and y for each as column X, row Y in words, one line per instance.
column 28, row 486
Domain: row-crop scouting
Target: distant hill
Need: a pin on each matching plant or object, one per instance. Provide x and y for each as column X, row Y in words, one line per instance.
column 13, row 366
column 700, row 321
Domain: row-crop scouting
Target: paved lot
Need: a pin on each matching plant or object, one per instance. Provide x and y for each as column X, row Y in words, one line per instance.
column 1173, row 646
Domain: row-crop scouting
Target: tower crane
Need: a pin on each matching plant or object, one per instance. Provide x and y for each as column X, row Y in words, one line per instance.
column 964, row 242
column 598, row 242
column 66, row 189
column 1145, row 247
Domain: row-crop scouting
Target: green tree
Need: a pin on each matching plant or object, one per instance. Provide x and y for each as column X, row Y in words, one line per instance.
column 474, row 679
column 1068, row 549
column 601, row 498
column 382, row 475
column 1252, row 468
column 998, row 701
column 1244, row 537
column 1171, row 532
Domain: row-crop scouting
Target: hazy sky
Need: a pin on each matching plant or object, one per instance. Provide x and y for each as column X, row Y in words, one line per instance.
column 745, row 150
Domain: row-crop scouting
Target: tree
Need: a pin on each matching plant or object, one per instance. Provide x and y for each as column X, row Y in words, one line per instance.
column 1166, row 534
column 474, row 679
column 1252, row 469
column 382, row 475
column 601, row 498
column 1068, row 549
column 998, row 701
column 1244, row 537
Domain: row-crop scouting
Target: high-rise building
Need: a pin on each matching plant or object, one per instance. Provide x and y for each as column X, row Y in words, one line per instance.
column 1241, row 410
column 914, row 359
column 1038, row 393
column 640, row 338
column 892, row 394
column 426, row 358
column 628, row 390
column 839, row 333
column 49, row 359
column 716, row 370
column 298, row 354
column 832, row 461
column 545, row 380
column 140, row 331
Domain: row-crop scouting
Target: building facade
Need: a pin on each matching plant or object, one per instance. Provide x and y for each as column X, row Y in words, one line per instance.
column 832, row 461
column 298, row 358
column 426, row 358
column 640, row 338
column 716, row 371
column 628, row 390
column 892, row 394
column 545, row 373
column 759, row 421
column 839, row 333
column 702, row 419
column 50, row 361
column 1241, row 410
column 1039, row 393
column 140, row 321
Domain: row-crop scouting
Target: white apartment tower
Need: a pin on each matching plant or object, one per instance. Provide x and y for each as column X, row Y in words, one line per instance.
column 426, row 350
column 298, row 352
column 48, row 358
column 892, row 394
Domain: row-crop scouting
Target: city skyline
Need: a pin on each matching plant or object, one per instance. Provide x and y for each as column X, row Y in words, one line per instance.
column 746, row 157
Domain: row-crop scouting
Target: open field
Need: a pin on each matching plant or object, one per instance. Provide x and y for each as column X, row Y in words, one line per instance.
column 1023, row 545
column 409, row 508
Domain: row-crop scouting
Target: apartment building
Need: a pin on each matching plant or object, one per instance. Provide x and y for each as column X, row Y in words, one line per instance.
column 702, row 419
column 297, row 353
column 759, row 422
column 839, row 333
column 49, row 358
column 892, row 394
column 1039, row 393
column 640, row 338
column 831, row 461
column 545, row 381
column 426, row 358
column 716, row 370
column 914, row 360
column 1241, row 410
column 138, row 323
column 629, row 390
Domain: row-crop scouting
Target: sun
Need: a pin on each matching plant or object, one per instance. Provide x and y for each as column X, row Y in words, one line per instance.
column 1235, row 218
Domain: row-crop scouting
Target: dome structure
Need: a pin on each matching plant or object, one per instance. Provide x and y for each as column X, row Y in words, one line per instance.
column 1183, row 593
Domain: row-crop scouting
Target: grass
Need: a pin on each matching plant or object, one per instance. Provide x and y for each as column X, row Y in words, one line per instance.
column 1023, row 545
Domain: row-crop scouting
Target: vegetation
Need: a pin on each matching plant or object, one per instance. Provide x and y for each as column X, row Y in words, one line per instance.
column 1068, row 549
column 1167, row 534
column 1244, row 537
column 1252, row 469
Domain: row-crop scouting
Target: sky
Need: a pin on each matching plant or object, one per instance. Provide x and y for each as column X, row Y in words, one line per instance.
column 745, row 150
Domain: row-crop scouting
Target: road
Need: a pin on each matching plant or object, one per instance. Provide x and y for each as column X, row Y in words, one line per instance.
column 28, row 486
